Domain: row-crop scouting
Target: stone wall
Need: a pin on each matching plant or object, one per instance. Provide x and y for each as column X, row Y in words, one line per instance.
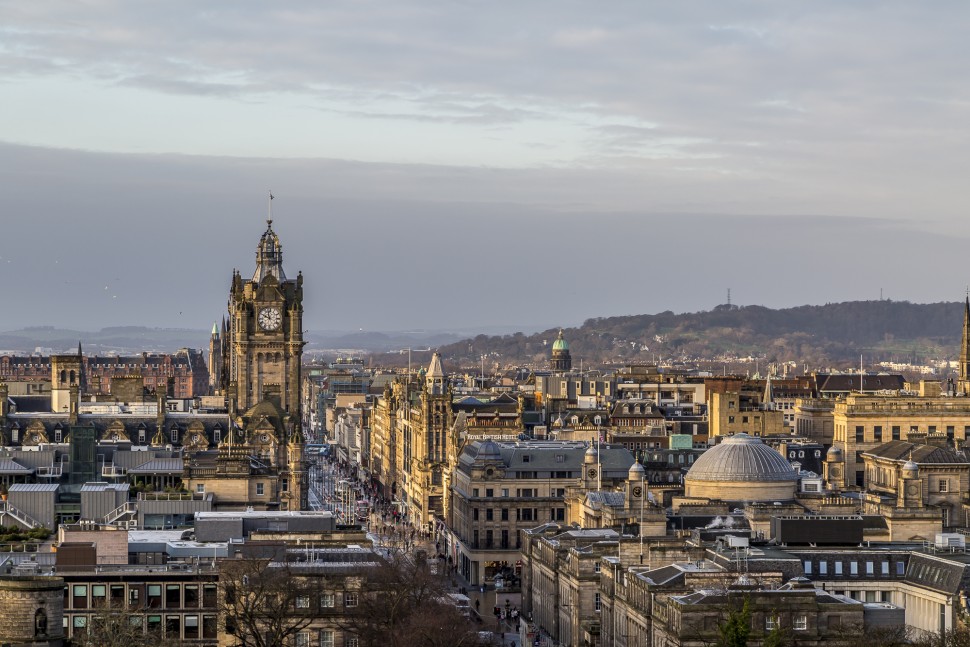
column 33, row 611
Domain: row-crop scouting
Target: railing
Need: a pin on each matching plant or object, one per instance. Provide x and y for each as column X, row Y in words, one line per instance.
column 113, row 471
column 119, row 512
column 50, row 472
column 170, row 496
column 19, row 515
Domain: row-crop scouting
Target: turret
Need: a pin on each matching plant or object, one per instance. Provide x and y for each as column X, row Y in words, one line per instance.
column 834, row 470
column 635, row 482
column 561, row 359
column 435, row 376
column 909, row 492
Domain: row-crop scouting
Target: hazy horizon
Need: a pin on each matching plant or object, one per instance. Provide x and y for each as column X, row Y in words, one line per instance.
column 455, row 166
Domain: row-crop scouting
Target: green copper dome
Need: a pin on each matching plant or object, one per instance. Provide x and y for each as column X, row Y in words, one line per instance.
column 560, row 343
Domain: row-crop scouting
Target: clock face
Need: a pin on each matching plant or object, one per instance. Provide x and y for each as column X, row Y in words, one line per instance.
column 637, row 491
column 270, row 318
column 591, row 473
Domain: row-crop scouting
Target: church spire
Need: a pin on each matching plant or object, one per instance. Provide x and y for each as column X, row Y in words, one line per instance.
column 963, row 385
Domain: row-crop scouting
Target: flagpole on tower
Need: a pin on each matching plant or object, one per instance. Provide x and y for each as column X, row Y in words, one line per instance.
column 269, row 217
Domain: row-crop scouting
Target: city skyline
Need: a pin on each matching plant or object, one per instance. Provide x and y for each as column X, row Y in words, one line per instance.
column 457, row 168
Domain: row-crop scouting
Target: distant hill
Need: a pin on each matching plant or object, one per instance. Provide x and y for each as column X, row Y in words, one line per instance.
column 136, row 339
column 117, row 339
column 833, row 334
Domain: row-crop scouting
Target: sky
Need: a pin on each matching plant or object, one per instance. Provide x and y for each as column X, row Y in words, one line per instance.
column 463, row 165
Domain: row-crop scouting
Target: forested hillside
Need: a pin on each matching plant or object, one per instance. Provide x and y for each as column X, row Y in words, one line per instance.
column 832, row 334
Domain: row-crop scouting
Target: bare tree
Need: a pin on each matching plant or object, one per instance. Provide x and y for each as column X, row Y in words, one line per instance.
column 406, row 604
column 120, row 628
column 264, row 603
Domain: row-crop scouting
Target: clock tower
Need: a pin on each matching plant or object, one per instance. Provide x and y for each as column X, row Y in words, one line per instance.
column 265, row 345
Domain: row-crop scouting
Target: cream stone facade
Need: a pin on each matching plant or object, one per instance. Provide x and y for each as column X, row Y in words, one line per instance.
column 863, row 422
column 729, row 413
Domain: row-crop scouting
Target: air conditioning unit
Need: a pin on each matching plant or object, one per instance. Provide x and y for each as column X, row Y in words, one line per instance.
column 950, row 540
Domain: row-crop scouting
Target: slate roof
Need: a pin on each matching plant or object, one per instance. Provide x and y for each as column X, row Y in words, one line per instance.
column 901, row 450
column 937, row 574
column 159, row 466
column 846, row 383
column 612, row 499
column 11, row 467
column 98, row 486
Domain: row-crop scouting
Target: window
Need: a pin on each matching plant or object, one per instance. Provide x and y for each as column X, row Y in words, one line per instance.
column 191, row 626
column 877, row 433
column 117, row 595
column 900, row 568
column 155, row 597
column 870, row 568
column 860, row 434
column 326, row 638
column 597, row 603
column 731, row 420
column 853, row 568
column 505, row 514
column 489, row 515
column 808, row 567
column 885, row 568
column 99, row 592
column 209, row 595
column 474, row 514
column 350, row 599
column 475, row 492
column 944, row 485
column 259, row 489
column 505, row 491
column 191, row 596
column 200, row 488
column 351, row 641
column 209, row 627
column 173, row 596
column 303, row 602
column 303, row 639
column 489, row 492
column 772, row 622
column 285, row 485
column 895, row 431
column 173, row 626
column 80, row 596
column 800, row 623
column 838, row 568
column 327, row 600
column 823, row 568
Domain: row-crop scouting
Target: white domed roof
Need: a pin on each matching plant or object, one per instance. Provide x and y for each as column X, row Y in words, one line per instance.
column 742, row 458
